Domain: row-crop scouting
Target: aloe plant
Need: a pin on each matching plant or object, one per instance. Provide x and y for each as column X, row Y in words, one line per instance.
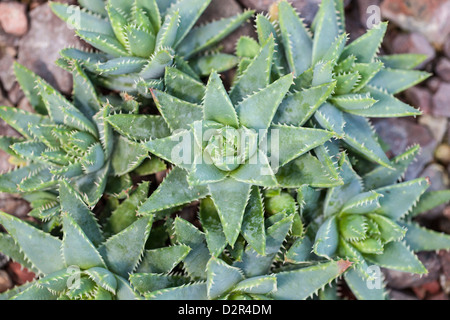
column 253, row 277
column 338, row 86
column 369, row 221
column 224, row 144
column 85, row 264
column 138, row 39
column 66, row 140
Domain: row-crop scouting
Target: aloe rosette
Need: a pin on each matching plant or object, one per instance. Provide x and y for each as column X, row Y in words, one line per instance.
column 85, row 263
column 138, row 39
column 252, row 277
column 208, row 134
column 338, row 86
column 368, row 220
column 66, row 140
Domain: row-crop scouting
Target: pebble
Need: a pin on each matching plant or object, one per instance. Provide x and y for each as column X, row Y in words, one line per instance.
column 13, row 18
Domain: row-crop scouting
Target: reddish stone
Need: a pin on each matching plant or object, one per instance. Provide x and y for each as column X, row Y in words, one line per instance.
column 19, row 274
column 428, row 289
column 430, row 17
column 440, row 296
column 441, row 101
column 443, row 69
column 13, row 18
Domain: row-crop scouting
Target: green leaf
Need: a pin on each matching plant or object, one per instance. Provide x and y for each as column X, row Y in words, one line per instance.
column 27, row 80
column 139, row 127
column 257, row 285
column 303, row 283
column 163, row 260
column 389, row 230
column 184, row 86
column 358, row 283
column 396, row 81
column 422, row 239
column 167, row 34
column 72, row 204
column 230, row 198
column 299, row 107
column 256, row 76
column 217, row 105
column 362, row 203
column 366, row 47
column 221, row 278
column 126, row 213
column 205, row 36
column 197, row 259
column 10, row 249
column 103, row 278
column 399, row 199
column 403, row 61
column 157, row 65
column 326, row 29
column 327, row 239
column 171, row 108
column 173, row 192
column 42, row 249
column 253, row 222
column 296, row 141
column 397, row 256
column 148, row 282
column 122, row 252
column 204, row 65
column 297, row 41
column 77, row 249
column 103, row 42
column 258, row 110
column 195, row 291
column 431, row 200
column 209, row 217
column 382, row 176
column 20, row 120
column 127, row 156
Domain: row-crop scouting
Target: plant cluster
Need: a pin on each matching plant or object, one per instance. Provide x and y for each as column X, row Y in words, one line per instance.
column 294, row 189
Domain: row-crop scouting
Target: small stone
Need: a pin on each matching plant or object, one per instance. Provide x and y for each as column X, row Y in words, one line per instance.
column 19, row 274
column 430, row 17
column 402, row 280
column 436, row 125
column 403, row 133
column 14, row 206
column 39, row 48
column 5, row 281
column 15, row 94
column 442, row 154
column 419, row 97
column 13, row 18
column 434, row 84
column 25, row 105
column 401, row 296
column 428, row 289
column 440, row 296
column 7, row 76
column 441, row 101
column 443, row 69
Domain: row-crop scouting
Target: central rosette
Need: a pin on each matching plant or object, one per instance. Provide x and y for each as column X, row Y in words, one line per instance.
column 229, row 147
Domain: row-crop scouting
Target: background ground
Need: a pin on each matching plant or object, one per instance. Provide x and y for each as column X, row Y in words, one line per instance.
column 32, row 35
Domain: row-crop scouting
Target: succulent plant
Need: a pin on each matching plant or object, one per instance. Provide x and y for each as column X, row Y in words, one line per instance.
column 338, row 86
column 368, row 220
column 66, row 140
column 85, row 264
column 253, row 277
column 138, row 39
column 227, row 144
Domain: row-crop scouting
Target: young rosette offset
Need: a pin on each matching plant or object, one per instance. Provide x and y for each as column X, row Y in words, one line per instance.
column 65, row 140
column 227, row 145
column 373, row 227
column 252, row 277
column 137, row 39
column 337, row 85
